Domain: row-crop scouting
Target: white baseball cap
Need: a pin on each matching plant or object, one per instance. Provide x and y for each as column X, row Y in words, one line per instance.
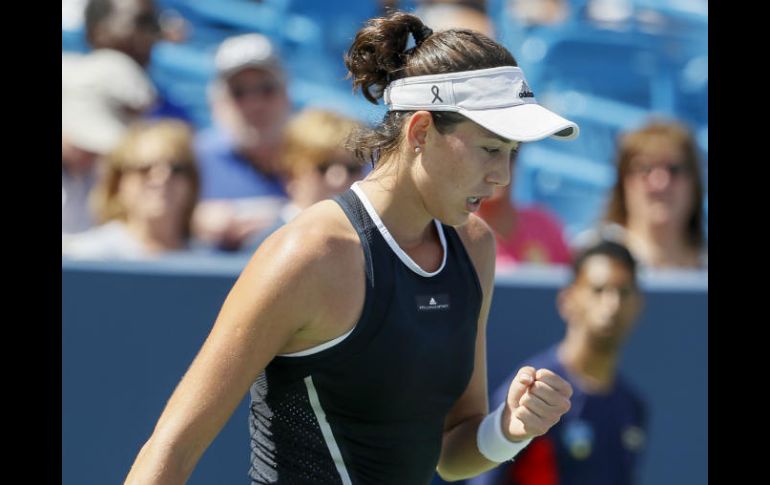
column 499, row 99
column 240, row 52
column 102, row 93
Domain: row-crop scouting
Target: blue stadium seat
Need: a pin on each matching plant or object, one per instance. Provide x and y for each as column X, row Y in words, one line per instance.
column 574, row 187
column 339, row 19
column 74, row 41
column 183, row 72
column 606, row 79
column 305, row 94
column 215, row 20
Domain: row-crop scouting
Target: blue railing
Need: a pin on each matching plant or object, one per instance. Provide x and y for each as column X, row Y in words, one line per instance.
column 131, row 329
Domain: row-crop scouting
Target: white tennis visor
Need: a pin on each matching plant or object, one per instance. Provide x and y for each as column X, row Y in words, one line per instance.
column 499, row 99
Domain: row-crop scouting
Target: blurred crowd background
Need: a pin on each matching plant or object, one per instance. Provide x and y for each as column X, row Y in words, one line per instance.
column 201, row 126
column 193, row 129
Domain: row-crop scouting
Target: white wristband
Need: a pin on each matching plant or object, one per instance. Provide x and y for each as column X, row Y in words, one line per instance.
column 491, row 441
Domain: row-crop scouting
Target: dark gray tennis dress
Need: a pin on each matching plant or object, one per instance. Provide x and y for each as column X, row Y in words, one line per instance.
column 369, row 406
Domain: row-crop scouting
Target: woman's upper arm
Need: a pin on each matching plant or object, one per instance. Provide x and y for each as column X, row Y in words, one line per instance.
column 258, row 319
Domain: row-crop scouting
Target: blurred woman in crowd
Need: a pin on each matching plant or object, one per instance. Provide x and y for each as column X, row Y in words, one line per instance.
column 144, row 201
column 656, row 205
column 316, row 163
column 524, row 234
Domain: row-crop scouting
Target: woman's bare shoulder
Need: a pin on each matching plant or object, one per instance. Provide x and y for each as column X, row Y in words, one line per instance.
column 317, row 256
column 321, row 234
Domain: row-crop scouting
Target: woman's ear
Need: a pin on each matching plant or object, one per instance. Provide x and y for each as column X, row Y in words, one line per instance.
column 564, row 303
column 417, row 129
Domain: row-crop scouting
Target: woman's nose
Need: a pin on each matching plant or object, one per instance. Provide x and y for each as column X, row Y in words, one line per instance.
column 501, row 175
column 159, row 173
column 659, row 178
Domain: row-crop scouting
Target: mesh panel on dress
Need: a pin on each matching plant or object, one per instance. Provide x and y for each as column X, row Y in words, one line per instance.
column 287, row 446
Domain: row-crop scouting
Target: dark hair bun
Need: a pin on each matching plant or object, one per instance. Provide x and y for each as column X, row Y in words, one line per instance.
column 378, row 54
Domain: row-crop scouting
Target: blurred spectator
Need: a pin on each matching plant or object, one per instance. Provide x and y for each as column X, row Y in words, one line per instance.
column 145, row 199
column 102, row 92
column 609, row 11
column 656, row 205
column 456, row 14
column 539, row 12
column 528, row 234
column 132, row 27
column 600, row 439
column 317, row 164
column 242, row 190
column 72, row 14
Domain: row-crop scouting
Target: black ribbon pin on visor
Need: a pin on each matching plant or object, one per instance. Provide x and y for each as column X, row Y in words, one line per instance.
column 434, row 90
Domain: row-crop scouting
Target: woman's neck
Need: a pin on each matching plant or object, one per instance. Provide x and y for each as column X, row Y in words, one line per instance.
column 157, row 235
column 660, row 245
column 398, row 203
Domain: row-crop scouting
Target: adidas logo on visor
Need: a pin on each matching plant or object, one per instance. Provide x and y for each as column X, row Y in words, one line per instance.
column 525, row 91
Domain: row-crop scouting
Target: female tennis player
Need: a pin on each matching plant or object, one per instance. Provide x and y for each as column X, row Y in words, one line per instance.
column 359, row 327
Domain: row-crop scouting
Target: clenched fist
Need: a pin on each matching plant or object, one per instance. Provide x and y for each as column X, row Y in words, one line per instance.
column 536, row 401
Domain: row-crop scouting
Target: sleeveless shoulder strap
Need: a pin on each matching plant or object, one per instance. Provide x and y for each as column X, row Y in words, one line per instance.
column 363, row 225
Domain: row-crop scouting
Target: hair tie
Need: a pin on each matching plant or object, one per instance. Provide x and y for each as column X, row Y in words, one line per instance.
column 423, row 33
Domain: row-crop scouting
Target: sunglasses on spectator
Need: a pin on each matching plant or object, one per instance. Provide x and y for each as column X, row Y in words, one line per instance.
column 674, row 169
column 263, row 90
column 177, row 168
column 148, row 22
column 352, row 169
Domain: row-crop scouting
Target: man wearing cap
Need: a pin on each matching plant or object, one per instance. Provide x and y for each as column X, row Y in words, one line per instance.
column 242, row 192
column 102, row 92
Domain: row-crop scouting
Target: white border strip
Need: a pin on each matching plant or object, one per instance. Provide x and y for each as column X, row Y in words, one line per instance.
column 320, row 347
column 392, row 242
column 320, row 415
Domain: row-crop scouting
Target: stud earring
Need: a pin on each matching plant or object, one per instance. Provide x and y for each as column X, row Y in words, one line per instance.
column 417, row 149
